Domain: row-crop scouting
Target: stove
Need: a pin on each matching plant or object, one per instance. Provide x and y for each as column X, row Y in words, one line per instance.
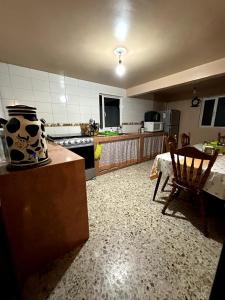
column 73, row 141
column 81, row 145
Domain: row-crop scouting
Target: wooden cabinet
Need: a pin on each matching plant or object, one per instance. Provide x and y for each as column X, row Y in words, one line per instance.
column 152, row 145
column 119, row 154
column 123, row 151
column 44, row 210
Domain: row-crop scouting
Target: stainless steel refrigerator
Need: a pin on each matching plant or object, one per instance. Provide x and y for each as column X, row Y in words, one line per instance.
column 171, row 121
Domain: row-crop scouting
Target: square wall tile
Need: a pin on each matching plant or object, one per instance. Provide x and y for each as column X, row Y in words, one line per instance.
column 40, row 96
column 4, row 79
column 73, row 108
column 6, row 102
column 130, row 128
column 48, row 117
column 85, row 117
column 2, row 112
column 58, row 108
column 85, row 109
column 58, row 98
column 71, row 81
column 89, row 101
column 40, row 85
column 4, row 68
column 62, row 130
column 94, row 110
column 73, row 99
column 87, row 92
column 55, row 77
column 87, row 84
column 57, row 86
column 21, row 82
column 7, row 93
column 95, row 117
column 23, row 95
column 60, row 117
column 39, row 74
column 17, row 70
column 23, row 102
column 71, row 89
column 44, row 107
column 73, row 117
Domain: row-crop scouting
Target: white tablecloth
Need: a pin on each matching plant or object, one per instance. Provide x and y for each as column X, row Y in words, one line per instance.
column 215, row 184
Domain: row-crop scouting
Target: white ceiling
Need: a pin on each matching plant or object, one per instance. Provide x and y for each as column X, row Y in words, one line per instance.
column 77, row 38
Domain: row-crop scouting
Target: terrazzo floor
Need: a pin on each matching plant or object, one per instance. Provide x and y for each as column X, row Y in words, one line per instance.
column 134, row 252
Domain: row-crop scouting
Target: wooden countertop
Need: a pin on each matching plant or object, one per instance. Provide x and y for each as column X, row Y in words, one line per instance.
column 128, row 136
column 57, row 153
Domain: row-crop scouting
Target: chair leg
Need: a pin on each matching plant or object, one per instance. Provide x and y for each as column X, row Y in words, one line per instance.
column 170, row 198
column 165, row 183
column 157, row 185
column 204, row 220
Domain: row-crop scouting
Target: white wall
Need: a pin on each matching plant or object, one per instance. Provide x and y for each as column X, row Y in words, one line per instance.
column 62, row 99
column 189, row 122
column 134, row 109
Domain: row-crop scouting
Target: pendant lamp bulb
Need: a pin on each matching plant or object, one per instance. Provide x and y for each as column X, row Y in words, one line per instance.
column 120, row 68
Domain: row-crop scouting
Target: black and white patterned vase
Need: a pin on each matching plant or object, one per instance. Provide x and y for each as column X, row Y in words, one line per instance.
column 25, row 136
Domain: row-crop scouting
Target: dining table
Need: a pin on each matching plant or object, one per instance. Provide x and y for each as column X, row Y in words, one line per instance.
column 215, row 184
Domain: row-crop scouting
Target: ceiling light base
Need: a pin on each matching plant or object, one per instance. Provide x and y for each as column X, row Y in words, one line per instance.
column 119, row 51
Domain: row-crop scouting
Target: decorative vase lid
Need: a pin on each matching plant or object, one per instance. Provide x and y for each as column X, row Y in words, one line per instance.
column 20, row 110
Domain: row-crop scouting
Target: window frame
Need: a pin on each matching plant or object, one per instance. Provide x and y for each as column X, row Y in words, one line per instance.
column 213, row 114
column 103, row 110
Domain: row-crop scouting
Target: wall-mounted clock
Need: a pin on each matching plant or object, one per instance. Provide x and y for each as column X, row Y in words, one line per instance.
column 195, row 102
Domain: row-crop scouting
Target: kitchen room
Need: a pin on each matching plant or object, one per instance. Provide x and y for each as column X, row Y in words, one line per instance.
column 89, row 99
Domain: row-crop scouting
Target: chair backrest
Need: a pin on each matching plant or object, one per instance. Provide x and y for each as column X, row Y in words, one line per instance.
column 185, row 139
column 221, row 138
column 170, row 139
column 188, row 170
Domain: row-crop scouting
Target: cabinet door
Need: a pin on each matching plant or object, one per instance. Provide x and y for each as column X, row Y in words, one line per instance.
column 119, row 154
column 153, row 145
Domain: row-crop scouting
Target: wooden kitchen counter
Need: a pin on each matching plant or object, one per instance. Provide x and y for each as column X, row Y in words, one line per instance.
column 44, row 210
column 127, row 136
column 128, row 149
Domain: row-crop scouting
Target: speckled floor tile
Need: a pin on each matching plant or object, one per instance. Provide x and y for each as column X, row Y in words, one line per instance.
column 134, row 252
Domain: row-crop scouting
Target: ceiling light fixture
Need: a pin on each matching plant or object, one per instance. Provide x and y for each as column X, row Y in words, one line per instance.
column 120, row 68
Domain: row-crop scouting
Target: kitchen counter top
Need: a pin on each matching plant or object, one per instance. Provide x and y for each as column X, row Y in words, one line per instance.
column 57, row 153
column 127, row 136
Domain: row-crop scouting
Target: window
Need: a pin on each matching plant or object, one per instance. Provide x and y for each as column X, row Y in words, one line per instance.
column 213, row 112
column 110, row 114
column 208, row 112
column 220, row 113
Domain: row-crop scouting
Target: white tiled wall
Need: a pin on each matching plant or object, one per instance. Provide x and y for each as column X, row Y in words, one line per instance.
column 62, row 99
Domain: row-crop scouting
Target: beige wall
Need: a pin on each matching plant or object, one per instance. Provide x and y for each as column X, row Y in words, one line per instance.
column 190, row 122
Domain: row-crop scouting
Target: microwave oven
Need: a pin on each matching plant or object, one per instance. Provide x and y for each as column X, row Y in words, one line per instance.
column 153, row 126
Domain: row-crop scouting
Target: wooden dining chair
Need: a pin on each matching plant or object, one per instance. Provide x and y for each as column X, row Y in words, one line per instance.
column 169, row 139
column 221, row 139
column 189, row 175
column 185, row 139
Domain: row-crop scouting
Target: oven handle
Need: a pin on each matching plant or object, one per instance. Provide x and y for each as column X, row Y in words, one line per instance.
column 78, row 146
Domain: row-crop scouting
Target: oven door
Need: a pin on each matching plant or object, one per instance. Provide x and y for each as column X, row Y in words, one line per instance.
column 87, row 152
